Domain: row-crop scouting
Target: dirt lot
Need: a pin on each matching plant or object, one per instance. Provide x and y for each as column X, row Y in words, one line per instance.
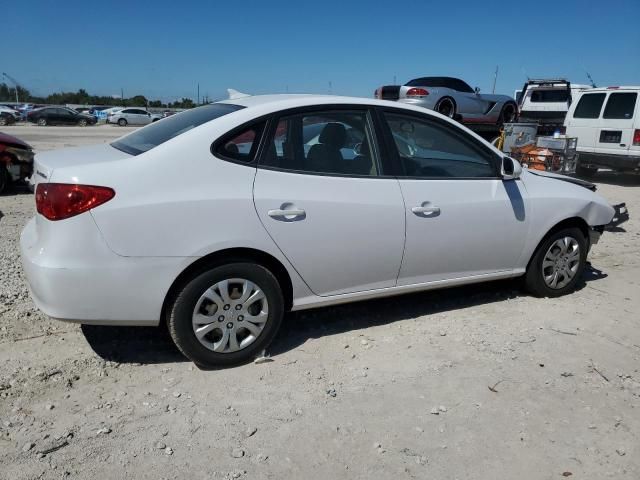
column 481, row 382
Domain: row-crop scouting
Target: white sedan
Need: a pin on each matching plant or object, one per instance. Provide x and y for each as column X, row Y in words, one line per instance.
column 220, row 219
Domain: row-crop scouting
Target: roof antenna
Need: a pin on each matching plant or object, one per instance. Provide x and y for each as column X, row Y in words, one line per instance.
column 593, row 84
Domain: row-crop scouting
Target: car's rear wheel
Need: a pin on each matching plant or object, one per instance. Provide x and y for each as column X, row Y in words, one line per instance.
column 447, row 107
column 3, row 121
column 122, row 122
column 82, row 122
column 226, row 315
column 558, row 263
column 508, row 114
column 42, row 122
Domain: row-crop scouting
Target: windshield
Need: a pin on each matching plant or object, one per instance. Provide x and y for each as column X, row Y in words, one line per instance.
column 159, row 132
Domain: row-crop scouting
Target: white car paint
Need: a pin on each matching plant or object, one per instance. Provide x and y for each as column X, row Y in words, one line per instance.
column 358, row 238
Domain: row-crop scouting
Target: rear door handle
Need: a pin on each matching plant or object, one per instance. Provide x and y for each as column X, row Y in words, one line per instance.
column 287, row 214
column 426, row 210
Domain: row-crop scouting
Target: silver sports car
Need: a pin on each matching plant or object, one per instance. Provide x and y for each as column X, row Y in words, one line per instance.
column 453, row 98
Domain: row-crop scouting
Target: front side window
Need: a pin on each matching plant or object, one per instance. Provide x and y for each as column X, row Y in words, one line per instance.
column 157, row 133
column 620, row 105
column 589, row 105
column 323, row 142
column 429, row 149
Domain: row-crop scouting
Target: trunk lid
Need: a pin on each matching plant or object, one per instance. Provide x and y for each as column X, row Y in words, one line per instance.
column 46, row 162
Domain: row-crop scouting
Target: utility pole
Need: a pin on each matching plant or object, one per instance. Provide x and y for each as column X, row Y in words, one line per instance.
column 15, row 83
column 198, row 94
column 495, row 79
column 122, row 96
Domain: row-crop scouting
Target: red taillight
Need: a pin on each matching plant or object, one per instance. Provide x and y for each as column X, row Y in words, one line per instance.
column 57, row 201
column 636, row 138
column 417, row 92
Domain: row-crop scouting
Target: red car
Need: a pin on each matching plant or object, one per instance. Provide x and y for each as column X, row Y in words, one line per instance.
column 16, row 161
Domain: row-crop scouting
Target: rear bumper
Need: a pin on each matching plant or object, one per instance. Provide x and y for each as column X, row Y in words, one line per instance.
column 628, row 163
column 83, row 281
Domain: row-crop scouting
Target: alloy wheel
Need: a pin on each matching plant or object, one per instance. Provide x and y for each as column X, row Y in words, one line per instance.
column 230, row 315
column 561, row 262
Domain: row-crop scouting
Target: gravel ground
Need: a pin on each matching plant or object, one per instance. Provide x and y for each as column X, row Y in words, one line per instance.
column 479, row 382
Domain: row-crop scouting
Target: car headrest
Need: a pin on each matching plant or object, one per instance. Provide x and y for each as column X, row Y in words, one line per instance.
column 334, row 134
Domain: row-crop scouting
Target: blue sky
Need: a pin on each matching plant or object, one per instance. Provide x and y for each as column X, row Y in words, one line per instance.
column 163, row 49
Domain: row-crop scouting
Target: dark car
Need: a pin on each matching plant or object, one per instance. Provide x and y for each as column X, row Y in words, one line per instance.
column 16, row 161
column 59, row 116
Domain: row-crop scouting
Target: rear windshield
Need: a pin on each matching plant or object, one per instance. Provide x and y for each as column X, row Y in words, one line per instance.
column 620, row 106
column 159, row 132
column 550, row 96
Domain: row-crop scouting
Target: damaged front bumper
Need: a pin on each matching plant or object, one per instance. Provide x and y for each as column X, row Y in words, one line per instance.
column 620, row 216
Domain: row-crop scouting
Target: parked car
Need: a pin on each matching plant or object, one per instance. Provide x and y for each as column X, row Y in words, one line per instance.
column 132, row 116
column 8, row 116
column 546, row 102
column 606, row 122
column 453, row 98
column 59, row 116
column 16, row 161
column 266, row 215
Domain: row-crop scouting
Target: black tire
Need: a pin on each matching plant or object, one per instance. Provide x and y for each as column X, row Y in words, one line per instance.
column 181, row 309
column 4, row 179
column 534, row 279
column 448, row 107
column 509, row 114
column 587, row 172
column 122, row 122
column 42, row 122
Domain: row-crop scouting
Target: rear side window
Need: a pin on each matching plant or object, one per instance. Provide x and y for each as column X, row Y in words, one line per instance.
column 589, row 105
column 332, row 142
column 240, row 146
column 620, row 106
column 157, row 133
column 549, row 96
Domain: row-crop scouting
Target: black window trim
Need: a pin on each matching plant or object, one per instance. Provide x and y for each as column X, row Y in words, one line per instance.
column 394, row 158
column 327, row 108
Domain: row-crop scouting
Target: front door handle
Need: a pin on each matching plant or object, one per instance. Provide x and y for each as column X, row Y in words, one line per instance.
column 426, row 210
column 287, row 213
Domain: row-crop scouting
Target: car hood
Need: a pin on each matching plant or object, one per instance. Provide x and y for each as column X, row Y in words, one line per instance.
column 13, row 141
column 47, row 162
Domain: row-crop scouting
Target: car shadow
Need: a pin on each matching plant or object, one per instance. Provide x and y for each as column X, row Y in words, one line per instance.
column 609, row 177
column 153, row 345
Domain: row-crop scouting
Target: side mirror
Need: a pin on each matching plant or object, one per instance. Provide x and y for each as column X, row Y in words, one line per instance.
column 477, row 90
column 510, row 169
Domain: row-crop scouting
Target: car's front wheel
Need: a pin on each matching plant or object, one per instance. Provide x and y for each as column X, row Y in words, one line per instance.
column 558, row 263
column 226, row 315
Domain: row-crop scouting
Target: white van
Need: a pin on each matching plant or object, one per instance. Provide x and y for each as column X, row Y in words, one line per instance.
column 606, row 122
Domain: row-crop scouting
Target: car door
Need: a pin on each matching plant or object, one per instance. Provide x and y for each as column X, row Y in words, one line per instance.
column 462, row 219
column 336, row 218
column 615, row 135
column 65, row 116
